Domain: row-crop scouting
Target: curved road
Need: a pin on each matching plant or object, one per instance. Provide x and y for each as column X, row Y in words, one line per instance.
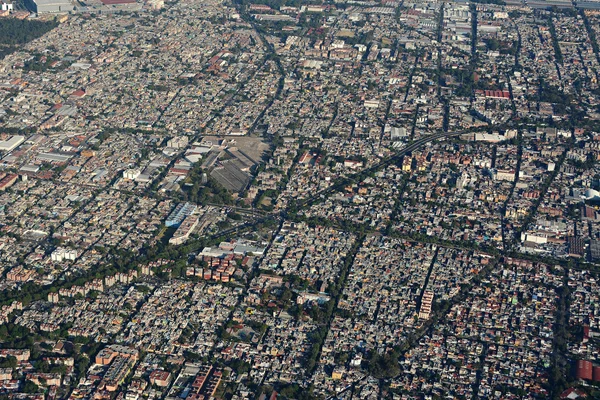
column 343, row 181
column 385, row 162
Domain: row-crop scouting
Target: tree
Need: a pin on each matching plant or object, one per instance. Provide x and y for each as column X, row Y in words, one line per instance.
column 9, row 362
column 191, row 356
column 143, row 289
column 240, row 367
column 16, row 31
column 383, row 366
column 30, row 387
column 286, row 296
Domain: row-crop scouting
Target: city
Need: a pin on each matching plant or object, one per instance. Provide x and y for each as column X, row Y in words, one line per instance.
column 262, row 199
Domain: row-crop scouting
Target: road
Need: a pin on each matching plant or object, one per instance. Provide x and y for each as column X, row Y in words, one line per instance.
column 343, row 181
column 339, row 184
column 383, row 163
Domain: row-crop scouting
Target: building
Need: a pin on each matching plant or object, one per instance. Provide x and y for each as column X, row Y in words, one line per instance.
column 19, row 354
column 19, row 274
column 45, row 379
column 426, row 303
column 337, row 374
column 201, row 378
column 503, row 175
column 160, row 378
column 539, row 238
column 5, row 374
column 107, row 354
column 120, row 4
column 29, row 169
column 596, row 373
column 179, row 213
column 8, row 181
column 61, row 254
column 312, row 297
column 371, row 103
column 182, row 233
column 54, row 157
column 116, row 374
column 155, row 4
column 489, row 137
column 398, row 133
column 12, row 143
column 583, row 370
column 576, row 246
column 131, row 174
column 51, row 6
column 595, row 250
column 178, row 142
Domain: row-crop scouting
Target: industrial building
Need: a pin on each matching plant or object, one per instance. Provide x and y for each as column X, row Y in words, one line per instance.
column 54, row 157
column 51, row 6
column 7, row 181
column 179, row 213
column 12, row 143
column 230, row 176
column 398, row 133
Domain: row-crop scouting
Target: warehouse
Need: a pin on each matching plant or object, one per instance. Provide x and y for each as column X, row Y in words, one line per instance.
column 12, row 143
column 51, row 6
